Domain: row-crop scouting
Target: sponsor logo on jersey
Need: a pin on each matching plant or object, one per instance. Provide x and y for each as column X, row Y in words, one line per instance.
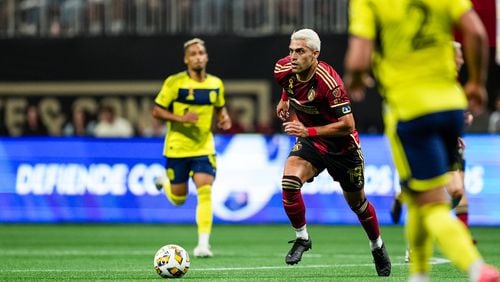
column 311, row 110
column 336, row 92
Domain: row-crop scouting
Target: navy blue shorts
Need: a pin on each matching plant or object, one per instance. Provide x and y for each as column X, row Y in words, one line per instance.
column 180, row 169
column 426, row 148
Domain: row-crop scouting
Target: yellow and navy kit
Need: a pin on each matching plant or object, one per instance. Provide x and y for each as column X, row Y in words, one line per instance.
column 180, row 94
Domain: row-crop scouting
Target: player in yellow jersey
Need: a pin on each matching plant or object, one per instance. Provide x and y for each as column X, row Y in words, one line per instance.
column 188, row 102
column 408, row 43
column 456, row 188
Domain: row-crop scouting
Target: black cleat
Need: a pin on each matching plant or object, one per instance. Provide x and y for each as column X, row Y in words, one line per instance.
column 382, row 261
column 298, row 248
column 396, row 209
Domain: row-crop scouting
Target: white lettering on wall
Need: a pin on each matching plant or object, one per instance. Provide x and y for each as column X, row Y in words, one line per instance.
column 474, row 179
column 78, row 179
column 117, row 179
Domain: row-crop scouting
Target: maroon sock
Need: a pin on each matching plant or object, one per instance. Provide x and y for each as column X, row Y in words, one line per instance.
column 294, row 207
column 464, row 218
column 369, row 221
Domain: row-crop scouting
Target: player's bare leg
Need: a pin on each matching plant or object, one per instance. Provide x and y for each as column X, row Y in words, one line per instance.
column 456, row 189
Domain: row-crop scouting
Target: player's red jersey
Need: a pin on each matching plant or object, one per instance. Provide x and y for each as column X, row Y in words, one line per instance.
column 321, row 100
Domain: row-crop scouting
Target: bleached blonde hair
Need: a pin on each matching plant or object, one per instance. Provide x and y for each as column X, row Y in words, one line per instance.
column 193, row 41
column 309, row 36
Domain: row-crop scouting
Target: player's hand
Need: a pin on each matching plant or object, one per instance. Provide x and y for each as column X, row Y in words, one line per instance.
column 190, row 117
column 476, row 94
column 224, row 122
column 468, row 118
column 356, row 85
column 461, row 143
column 295, row 128
column 282, row 110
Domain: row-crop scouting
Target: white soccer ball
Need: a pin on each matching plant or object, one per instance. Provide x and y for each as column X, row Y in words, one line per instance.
column 171, row 261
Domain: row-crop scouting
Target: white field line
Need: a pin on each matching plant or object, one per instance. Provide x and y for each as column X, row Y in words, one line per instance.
column 433, row 261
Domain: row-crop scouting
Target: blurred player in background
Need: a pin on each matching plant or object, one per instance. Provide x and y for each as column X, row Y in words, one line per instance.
column 456, row 188
column 326, row 139
column 408, row 43
column 188, row 101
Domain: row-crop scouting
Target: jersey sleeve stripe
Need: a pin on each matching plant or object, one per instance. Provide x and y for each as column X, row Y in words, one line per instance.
column 339, row 105
column 326, row 80
column 279, row 68
column 283, row 70
column 327, row 76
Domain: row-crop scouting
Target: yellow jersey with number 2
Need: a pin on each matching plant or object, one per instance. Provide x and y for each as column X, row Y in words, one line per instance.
column 413, row 60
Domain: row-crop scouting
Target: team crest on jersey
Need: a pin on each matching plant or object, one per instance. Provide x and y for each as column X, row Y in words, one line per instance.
column 212, row 96
column 297, row 147
column 311, row 94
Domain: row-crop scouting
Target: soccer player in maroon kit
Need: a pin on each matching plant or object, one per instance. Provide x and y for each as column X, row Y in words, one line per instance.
column 326, row 139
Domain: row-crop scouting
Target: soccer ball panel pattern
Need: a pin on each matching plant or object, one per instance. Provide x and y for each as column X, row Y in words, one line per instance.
column 171, row 261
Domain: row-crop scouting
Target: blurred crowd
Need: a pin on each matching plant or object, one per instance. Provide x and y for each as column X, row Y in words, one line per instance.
column 69, row 18
column 106, row 122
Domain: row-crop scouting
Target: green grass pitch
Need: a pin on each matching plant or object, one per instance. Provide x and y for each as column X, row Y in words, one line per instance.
column 241, row 253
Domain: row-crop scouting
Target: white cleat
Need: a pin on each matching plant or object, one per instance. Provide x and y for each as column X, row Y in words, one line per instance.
column 203, row 252
column 160, row 181
column 407, row 255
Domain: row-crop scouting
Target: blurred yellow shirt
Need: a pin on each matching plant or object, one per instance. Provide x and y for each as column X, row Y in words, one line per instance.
column 414, row 57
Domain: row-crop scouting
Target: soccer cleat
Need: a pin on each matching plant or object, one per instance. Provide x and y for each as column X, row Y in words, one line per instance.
column 396, row 210
column 203, row 252
column 298, row 248
column 488, row 273
column 382, row 261
column 407, row 255
column 159, row 181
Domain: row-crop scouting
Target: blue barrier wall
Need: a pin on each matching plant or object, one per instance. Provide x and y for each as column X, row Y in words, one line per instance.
column 112, row 180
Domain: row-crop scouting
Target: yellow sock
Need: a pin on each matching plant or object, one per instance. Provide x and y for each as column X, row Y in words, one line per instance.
column 452, row 236
column 204, row 209
column 174, row 199
column 420, row 241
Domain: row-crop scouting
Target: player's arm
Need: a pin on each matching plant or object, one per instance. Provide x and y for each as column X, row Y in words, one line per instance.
column 362, row 32
column 283, row 107
column 166, row 115
column 343, row 126
column 357, row 63
column 475, row 45
column 223, row 119
column 165, row 98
